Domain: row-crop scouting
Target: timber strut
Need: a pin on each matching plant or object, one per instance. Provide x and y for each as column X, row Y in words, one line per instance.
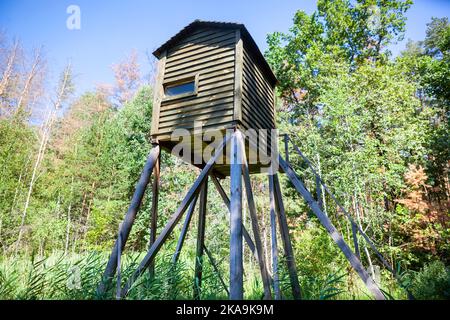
column 197, row 194
column 213, row 80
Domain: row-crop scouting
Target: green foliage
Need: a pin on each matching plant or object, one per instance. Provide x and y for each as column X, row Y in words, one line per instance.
column 432, row 282
column 17, row 144
column 361, row 117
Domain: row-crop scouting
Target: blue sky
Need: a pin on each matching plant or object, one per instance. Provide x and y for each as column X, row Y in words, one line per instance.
column 111, row 29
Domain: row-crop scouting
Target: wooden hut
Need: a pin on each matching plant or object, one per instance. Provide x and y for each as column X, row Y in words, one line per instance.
column 212, row 75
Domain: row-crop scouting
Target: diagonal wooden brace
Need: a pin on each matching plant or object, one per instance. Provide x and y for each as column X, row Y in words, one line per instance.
column 285, row 237
column 255, row 226
column 226, row 200
column 184, row 230
column 130, row 216
column 335, row 235
column 193, row 192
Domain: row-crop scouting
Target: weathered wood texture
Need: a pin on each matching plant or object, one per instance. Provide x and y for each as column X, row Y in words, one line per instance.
column 154, row 210
column 257, row 96
column 158, row 93
column 184, row 230
column 127, row 224
column 226, row 200
column 274, row 244
column 192, row 193
column 208, row 53
column 238, row 74
column 234, row 88
column 200, row 241
column 286, row 238
column 332, row 231
column 236, row 259
column 255, row 226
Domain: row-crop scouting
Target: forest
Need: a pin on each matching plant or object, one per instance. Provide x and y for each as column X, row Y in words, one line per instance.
column 375, row 126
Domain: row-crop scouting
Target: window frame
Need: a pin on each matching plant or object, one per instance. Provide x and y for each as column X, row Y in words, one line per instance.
column 180, row 81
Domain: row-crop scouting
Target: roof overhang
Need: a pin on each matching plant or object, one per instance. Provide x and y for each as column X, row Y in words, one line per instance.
column 248, row 40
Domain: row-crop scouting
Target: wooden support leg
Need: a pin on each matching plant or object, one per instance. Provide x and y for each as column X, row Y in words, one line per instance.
column 213, row 263
column 119, row 264
column 200, row 241
column 287, row 244
column 355, row 240
column 184, row 230
column 273, row 225
column 245, row 233
column 182, row 237
column 363, row 234
column 154, row 212
column 193, row 192
column 127, row 224
column 335, row 235
column 236, row 263
column 286, row 146
column 255, row 227
column 319, row 193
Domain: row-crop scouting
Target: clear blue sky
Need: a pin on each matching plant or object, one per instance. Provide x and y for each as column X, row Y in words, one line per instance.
column 111, row 29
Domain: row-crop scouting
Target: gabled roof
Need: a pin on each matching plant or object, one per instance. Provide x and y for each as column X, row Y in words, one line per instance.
column 247, row 38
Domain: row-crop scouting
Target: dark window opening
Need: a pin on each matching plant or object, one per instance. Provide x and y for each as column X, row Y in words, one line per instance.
column 179, row 88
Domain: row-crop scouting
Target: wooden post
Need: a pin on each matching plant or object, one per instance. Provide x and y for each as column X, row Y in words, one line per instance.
column 255, row 226
column 158, row 92
column 358, row 228
column 335, row 235
column 154, row 212
column 287, row 244
column 355, row 240
column 245, row 233
column 273, row 228
column 319, row 193
column 286, row 147
column 119, row 264
column 200, row 241
column 236, row 263
column 184, row 230
column 349, row 217
column 193, row 192
column 213, row 263
column 127, row 224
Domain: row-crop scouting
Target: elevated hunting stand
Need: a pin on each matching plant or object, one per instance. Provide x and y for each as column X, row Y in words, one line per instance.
column 213, row 80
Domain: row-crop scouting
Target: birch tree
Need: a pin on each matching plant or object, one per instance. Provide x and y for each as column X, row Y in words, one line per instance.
column 64, row 90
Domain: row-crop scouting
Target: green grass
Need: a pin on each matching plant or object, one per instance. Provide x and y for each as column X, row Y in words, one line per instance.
column 77, row 276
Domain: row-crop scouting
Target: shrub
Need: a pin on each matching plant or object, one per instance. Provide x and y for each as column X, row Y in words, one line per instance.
column 432, row 282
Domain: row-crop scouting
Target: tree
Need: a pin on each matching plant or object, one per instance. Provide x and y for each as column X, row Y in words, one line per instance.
column 356, row 114
column 128, row 80
column 64, row 89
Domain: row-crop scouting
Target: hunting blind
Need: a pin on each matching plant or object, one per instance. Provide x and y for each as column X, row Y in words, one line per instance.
column 212, row 77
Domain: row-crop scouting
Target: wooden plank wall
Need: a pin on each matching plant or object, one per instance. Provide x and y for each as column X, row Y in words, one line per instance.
column 210, row 53
column 257, row 98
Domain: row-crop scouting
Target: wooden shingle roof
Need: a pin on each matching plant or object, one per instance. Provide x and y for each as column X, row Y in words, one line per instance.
column 247, row 38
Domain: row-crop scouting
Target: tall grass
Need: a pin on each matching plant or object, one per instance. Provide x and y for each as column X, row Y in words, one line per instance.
column 77, row 276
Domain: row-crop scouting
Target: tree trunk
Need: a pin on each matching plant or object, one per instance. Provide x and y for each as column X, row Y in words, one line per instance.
column 9, row 68
column 25, row 92
column 66, row 247
column 44, row 140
